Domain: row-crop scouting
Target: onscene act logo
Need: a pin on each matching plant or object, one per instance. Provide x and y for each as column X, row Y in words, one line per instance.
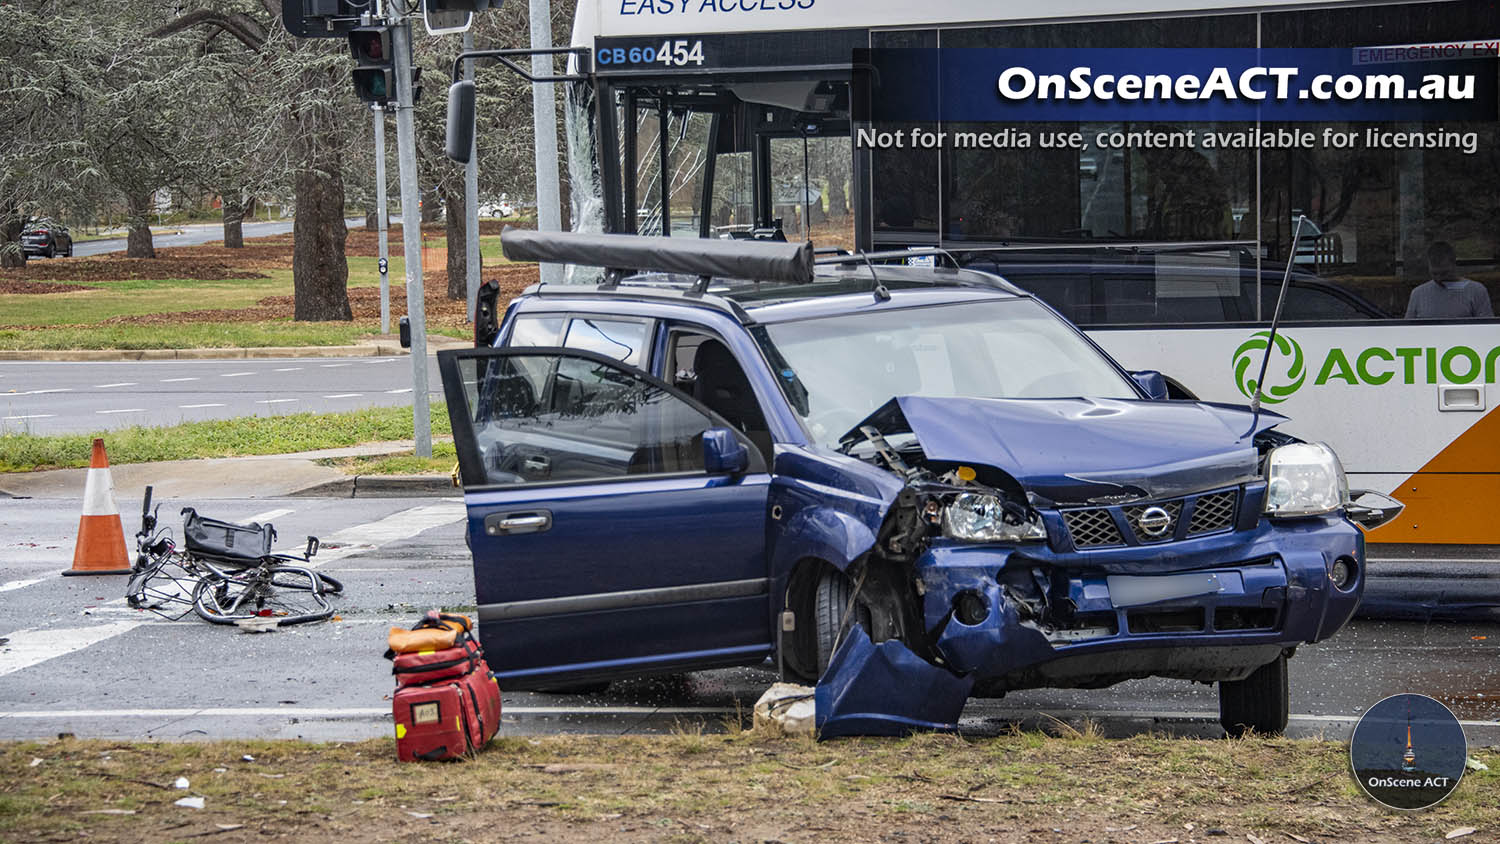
column 1287, row 359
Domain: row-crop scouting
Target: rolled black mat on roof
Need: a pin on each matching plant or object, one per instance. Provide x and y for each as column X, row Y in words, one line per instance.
column 756, row 260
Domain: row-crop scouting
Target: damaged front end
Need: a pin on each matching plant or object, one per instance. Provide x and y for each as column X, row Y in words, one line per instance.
column 1065, row 559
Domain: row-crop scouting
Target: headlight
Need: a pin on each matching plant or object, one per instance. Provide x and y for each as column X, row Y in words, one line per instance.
column 1304, row 479
column 978, row 517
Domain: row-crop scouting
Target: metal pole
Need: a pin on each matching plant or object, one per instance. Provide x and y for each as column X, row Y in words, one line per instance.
column 411, row 234
column 471, row 201
column 382, row 218
column 544, row 125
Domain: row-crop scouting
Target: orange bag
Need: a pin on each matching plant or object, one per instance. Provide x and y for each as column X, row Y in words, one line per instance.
column 434, row 632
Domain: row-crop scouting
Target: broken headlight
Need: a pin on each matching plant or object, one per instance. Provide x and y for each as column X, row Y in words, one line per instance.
column 1304, row 479
column 981, row 517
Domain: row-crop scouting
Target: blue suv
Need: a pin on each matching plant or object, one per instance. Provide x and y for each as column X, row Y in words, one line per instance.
column 911, row 485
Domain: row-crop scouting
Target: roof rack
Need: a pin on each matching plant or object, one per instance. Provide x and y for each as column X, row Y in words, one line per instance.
column 621, row 254
column 1121, row 245
column 886, row 255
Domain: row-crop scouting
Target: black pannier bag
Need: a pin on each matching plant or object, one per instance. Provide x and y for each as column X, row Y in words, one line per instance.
column 226, row 541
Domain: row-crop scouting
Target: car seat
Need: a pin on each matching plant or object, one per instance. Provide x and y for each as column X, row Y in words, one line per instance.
column 723, row 387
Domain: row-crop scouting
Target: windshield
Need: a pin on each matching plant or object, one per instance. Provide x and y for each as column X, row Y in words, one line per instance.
column 838, row 370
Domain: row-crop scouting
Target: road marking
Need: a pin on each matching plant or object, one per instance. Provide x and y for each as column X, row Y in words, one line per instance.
column 354, row 711
column 268, row 515
column 234, row 374
column 332, row 365
column 210, row 404
column 401, row 525
column 124, row 410
column 19, row 584
column 344, row 396
column 53, row 390
column 380, row 360
column 402, row 390
column 274, row 401
column 119, row 384
column 287, row 369
column 31, row 646
column 1169, row 716
column 174, row 380
column 32, row 416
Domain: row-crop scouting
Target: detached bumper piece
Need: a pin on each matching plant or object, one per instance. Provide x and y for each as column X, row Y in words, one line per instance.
column 885, row 690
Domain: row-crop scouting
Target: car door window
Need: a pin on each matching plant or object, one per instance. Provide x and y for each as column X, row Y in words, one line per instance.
column 554, row 416
column 536, row 331
column 620, row 339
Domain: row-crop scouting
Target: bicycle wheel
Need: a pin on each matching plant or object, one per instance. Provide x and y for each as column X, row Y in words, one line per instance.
column 291, row 577
column 287, row 594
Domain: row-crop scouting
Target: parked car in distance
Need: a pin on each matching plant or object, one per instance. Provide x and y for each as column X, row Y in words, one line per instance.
column 911, row 484
column 47, row 238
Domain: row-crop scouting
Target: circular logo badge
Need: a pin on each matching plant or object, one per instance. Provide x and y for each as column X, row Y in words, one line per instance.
column 1247, row 367
column 1408, row 752
column 1154, row 521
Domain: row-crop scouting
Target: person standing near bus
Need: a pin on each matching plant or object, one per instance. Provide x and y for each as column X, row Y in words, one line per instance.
column 1447, row 295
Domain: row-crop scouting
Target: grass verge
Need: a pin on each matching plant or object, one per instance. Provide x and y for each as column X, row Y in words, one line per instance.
column 185, row 335
column 406, row 463
column 695, row 787
column 240, row 436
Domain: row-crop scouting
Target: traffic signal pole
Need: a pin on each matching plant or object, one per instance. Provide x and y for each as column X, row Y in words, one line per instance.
column 471, row 201
column 382, row 219
column 411, row 232
column 544, row 125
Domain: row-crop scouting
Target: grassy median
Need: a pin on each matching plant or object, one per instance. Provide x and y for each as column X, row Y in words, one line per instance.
column 244, row 435
column 740, row 786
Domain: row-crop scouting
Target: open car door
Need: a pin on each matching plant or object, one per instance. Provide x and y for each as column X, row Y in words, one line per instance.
column 617, row 525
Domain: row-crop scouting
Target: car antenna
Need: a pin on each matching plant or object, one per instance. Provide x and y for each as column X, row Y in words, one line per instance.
column 1265, row 360
column 881, row 294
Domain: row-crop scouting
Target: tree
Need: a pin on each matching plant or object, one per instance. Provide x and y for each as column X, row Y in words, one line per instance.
column 313, row 114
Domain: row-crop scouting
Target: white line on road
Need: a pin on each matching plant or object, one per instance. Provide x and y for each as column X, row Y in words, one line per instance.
column 53, row 390
column 19, row 584
column 402, row 390
column 234, row 374
column 344, row 396
column 268, row 515
column 287, row 369
column 402, row 525
column 274, row 401
column 174, row 380
column 117, row 384
column 332, row 365
column 31, row 416
column 380, row 360
column 355, row 711
column 209, row 404
column 31, row 646
column 124, row 410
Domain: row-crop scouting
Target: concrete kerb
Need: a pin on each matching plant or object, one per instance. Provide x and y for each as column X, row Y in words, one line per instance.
column 381, row 486
column 362, row 350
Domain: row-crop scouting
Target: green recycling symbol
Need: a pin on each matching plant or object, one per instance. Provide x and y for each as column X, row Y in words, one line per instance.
column 1247, row 365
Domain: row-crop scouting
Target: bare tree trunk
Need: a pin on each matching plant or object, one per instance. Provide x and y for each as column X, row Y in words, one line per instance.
column 138, row 219
column 320, row 274
column 234, row 218
column 11, row 255
column 454, row 214
column 372, row 220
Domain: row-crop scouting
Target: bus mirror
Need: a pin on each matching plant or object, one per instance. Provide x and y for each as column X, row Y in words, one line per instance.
column 461, row 120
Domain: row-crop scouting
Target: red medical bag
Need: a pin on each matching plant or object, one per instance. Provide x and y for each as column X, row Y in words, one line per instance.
column 416, row 669
column 446, row 720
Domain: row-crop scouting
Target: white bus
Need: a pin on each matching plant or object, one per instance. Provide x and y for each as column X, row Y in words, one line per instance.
column 731, row 117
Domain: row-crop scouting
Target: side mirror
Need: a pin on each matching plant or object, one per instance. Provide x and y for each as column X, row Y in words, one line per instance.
column 460, row 120
column 1152, row 382
column 723, row 453
column 1371, row 509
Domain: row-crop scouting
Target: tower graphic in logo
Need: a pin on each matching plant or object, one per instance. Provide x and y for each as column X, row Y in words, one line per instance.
column 1285, row 359
column 1408, row 752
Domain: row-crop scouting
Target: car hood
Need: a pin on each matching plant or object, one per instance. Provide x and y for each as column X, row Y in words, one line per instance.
column 1076, row 451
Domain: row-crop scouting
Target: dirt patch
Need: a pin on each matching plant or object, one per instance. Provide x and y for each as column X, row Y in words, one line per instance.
column 186, row 262
column 738, row 787
column 8, row 285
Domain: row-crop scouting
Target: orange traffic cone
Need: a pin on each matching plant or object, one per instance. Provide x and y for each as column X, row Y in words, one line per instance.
column 101, row 537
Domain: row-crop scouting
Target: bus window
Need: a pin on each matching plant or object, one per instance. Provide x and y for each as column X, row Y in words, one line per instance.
column 822, row 167
column 687, row 149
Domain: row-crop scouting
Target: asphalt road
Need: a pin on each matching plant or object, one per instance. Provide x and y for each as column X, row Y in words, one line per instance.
column 192, row 235
column 79, row 661
column 73, row 397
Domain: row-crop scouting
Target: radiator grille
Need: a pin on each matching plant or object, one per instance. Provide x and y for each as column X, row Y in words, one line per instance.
column 1213, row 512
column 1092, row 528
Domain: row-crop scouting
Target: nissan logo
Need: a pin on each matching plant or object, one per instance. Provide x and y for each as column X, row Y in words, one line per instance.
column 1154, row 521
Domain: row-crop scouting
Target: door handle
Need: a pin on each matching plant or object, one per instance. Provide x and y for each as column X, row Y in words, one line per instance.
column 1451, row 397
column 504, row 524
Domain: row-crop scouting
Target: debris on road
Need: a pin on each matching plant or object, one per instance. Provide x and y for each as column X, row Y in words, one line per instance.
column 189, row 803
column 785, row 709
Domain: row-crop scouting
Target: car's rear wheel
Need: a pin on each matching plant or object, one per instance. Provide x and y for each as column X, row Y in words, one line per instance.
column 1260, row 702
column 830, row 602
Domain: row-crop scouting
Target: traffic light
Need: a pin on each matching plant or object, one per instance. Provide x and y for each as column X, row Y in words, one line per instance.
column 321, row 18
column 374, row 65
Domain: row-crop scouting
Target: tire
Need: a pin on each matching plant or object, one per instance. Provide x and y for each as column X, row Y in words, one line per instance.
column 1260, row 702
column 830, row 601
column 289, row 594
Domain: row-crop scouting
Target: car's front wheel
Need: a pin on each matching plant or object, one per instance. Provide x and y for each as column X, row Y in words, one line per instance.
column 830, row 603
column 1260, row 702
